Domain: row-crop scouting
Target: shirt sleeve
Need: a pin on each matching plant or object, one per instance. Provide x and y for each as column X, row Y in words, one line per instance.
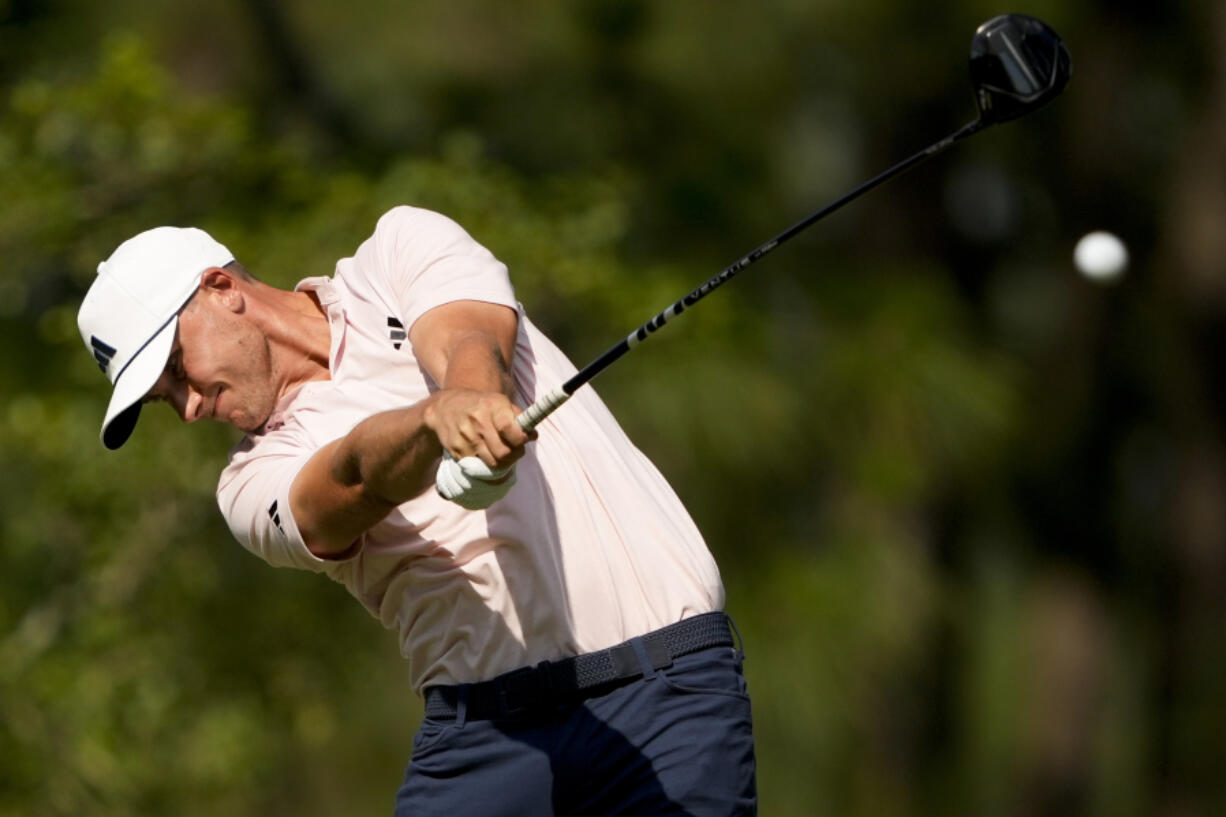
column 426, row 260
column 253, row 494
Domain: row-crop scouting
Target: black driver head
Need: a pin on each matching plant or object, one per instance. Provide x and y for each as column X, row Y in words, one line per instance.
column 1017, row 65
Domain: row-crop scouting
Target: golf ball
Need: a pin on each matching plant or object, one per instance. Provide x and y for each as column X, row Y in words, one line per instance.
column 1100, row 256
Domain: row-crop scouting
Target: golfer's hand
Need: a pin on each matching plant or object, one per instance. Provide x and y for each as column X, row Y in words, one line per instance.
column 472, row 484
column 481, row 442
column 477, row 424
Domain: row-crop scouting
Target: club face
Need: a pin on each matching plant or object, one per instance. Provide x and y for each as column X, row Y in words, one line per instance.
column 1017, row 65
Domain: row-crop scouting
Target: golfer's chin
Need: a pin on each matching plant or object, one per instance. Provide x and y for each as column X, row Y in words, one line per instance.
column 246, row 421
column 238, row 413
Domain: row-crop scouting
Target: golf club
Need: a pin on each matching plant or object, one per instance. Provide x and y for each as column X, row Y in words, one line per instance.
column 1017, row 64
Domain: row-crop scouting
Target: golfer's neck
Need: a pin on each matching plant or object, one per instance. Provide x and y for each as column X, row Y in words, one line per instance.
column 300, row 340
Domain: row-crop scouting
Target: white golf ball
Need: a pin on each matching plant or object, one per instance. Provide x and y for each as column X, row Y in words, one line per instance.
column 1100, row 256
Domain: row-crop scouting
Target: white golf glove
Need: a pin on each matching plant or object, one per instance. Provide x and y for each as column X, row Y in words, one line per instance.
column 469, row 482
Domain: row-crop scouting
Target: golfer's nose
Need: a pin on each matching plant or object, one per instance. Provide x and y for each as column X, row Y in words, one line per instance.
column 193, row 405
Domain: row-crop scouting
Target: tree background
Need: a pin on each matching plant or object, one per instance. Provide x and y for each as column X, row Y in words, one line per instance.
column 968, row 505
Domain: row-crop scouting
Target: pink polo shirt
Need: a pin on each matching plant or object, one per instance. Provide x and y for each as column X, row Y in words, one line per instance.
column 590, row 547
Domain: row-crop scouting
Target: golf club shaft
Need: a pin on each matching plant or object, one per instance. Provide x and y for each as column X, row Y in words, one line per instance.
column 546, row 404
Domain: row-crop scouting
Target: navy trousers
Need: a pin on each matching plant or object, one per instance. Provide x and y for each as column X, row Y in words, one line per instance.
column 675, row 742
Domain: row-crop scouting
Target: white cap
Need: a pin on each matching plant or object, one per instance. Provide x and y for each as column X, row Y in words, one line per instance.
column 129, row 316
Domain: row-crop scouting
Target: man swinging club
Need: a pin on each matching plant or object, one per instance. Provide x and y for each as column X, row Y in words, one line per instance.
column 558, row 608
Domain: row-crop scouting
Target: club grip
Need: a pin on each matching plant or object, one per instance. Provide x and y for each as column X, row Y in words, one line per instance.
column 542, row 408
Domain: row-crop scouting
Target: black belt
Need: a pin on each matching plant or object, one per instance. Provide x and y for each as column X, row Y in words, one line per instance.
column 551, row 684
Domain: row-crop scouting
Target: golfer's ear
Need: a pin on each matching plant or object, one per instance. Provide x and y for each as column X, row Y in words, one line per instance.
column 221, row 284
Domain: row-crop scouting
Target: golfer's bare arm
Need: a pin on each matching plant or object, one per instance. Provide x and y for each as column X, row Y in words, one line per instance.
column 352, row 483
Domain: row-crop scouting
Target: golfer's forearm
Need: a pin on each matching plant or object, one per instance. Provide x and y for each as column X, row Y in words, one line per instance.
column 475, row 362
column 390, row 457
column 354, row 482
column 467, row 345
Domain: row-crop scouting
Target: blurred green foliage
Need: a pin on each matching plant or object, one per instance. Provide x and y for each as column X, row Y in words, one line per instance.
column 967, row 505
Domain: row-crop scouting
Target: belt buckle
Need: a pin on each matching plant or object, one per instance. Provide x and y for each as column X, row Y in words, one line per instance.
column 522, row 691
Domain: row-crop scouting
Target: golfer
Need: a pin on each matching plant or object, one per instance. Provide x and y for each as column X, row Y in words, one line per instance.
column 559, row 610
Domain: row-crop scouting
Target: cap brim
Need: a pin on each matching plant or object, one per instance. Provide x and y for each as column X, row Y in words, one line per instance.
column 134, row 383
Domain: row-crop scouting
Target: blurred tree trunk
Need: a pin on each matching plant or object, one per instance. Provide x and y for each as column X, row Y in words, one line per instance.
column 296, row 85
column 1065, row 647
column 16, row 17
column 1190, row 265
